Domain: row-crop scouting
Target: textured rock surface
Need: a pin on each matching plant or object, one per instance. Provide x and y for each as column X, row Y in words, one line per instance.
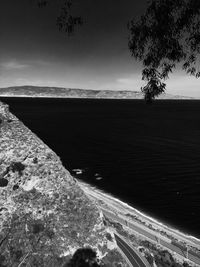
column 44, row 215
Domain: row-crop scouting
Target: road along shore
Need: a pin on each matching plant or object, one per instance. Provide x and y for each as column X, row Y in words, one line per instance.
column 183, row 245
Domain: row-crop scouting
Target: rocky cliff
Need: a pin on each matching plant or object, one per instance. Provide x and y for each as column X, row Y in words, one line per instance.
column 44, row 215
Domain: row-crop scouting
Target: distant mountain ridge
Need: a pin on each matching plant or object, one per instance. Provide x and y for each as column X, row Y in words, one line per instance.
column 59, row 92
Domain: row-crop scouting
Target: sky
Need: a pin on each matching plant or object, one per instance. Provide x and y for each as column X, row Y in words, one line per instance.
column 34, row 52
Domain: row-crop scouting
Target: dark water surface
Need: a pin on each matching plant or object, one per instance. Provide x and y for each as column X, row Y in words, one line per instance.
column 147, row 155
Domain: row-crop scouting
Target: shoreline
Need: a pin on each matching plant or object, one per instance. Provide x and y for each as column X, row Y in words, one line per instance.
column 122, row 208
column 91, row 97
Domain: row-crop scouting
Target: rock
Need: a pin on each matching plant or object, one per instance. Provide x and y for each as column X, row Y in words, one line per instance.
column 44, row 215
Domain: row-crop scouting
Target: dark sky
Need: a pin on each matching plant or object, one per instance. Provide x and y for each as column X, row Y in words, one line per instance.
column 33, row 51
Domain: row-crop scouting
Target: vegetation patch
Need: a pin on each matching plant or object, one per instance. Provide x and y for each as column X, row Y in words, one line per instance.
column 2, row 261
column 3, row 182
column 37, row 227
column 15, row 187
column 17, row 167
column 114, row 259
column 35, row 160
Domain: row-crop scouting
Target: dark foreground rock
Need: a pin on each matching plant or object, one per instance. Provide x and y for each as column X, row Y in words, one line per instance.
column 44, row 215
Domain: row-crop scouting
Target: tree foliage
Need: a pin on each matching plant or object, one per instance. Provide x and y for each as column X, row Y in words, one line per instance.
column 66, row 21
column 84, row 257
column 167, row 34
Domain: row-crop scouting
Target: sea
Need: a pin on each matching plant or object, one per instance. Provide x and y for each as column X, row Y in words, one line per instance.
column 148, row 156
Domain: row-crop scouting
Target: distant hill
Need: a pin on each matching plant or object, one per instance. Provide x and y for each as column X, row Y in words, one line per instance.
column 57, row 92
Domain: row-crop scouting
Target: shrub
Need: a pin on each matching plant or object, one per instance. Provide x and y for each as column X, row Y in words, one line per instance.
column 17, row 166
column 83, row 257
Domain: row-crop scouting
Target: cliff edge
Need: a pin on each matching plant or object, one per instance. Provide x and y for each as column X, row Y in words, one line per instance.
column 44, row 215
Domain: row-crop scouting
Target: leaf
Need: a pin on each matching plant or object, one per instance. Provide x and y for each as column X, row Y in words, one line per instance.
column 166, row 34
